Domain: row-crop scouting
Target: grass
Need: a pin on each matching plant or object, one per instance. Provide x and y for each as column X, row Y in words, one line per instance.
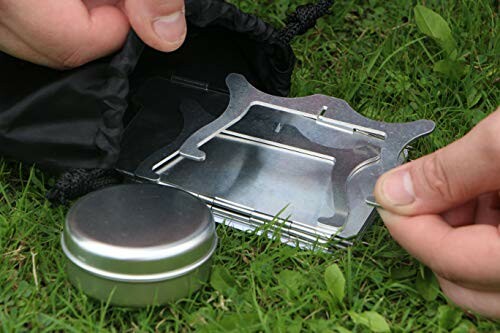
column 369, row 53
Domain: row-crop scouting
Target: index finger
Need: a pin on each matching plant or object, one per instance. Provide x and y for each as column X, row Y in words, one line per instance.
column 467, row 255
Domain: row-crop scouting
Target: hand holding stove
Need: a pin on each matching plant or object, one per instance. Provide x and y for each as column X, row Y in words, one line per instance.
column 444, row 209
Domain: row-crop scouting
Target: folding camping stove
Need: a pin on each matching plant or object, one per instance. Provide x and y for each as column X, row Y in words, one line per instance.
column 308, row 164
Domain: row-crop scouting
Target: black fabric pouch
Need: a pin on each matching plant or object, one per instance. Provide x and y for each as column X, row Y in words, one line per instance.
column 115, row 112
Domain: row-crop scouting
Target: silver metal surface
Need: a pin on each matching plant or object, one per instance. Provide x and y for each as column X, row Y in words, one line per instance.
column 138, row 294
column 314, row 159
column 371, row 201
column 140, row 237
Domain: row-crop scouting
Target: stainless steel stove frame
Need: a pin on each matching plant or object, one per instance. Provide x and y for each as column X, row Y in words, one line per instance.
column 312, row 160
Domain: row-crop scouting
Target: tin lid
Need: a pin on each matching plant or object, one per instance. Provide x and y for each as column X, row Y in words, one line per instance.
column 139, row 232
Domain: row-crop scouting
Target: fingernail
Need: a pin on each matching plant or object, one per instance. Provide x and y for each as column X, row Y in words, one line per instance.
column 171, row 28
column 397, row 188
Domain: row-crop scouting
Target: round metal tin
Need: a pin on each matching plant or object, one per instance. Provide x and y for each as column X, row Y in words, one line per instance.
column 139, row 244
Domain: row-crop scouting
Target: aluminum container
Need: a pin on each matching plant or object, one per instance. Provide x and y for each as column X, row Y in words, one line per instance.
column 139, row 244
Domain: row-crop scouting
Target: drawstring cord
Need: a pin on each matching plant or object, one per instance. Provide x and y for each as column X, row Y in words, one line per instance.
column 77, row 182
column 303, row 19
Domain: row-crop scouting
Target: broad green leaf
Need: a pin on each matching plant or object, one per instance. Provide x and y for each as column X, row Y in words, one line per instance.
column 433, row 25
column 377, row 322
column 451, row 68
column 341, row 329
column 320, row 326
column 449, row 317
column 358, row 318
column 371, row 319
column 473, row 97
column 291, row 280
column 335, row 282
column 464, row 327
column 222, row 281
column 324, row 296
column 426, row 285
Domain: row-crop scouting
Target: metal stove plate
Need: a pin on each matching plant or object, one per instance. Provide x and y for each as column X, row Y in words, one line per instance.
column 314, row 159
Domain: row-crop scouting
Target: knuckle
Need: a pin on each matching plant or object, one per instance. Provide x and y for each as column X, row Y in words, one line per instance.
column 435, row 177
column 71, row 59
column 452, row 271
column 442, row 270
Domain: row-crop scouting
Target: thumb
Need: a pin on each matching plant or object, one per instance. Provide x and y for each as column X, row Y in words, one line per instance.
column 447, row 178
column 159, row 23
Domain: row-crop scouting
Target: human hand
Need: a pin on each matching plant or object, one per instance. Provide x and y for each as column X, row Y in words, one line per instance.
column 68, row 33
column 444, row 209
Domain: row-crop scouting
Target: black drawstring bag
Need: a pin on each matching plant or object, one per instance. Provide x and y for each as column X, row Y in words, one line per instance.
column 115, row 112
